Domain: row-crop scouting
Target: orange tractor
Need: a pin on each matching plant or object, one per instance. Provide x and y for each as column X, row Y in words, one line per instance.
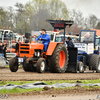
column 33, row 58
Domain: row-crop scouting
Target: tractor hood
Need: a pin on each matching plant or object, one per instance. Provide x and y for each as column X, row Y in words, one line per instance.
column 32, row 46
column 27, row 49
column 36, row 46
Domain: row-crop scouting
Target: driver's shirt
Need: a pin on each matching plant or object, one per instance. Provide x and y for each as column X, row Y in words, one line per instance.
column 44, row 38
column 88, row 39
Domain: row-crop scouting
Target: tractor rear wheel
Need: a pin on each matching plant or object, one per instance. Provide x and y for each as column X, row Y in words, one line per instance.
column 94, row 63
column 59, row 59
column 41, row 65
column 13, row 64
column 80, row 67
column 28, row 66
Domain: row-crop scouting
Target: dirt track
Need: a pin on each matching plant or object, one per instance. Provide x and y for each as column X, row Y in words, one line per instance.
column 6, row 74
column 55, row 94
column 52, row 94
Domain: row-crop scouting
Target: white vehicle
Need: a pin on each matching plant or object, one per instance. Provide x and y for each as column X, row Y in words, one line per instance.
column 6, row 35
column 20, row 38
column 56, row 37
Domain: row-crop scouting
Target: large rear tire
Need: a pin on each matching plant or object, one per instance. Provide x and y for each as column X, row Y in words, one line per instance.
column 13, row 64
column 59, row 59
column 94, row 63
column 41, row 65
column 28, row 67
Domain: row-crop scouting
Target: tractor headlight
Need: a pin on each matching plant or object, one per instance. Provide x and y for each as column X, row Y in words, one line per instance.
column 37, row 53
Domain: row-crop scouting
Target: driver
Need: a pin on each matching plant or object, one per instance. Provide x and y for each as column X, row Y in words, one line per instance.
column 45, row 38
column 87, row 37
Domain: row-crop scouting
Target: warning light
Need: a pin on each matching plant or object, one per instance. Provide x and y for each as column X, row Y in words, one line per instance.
column 68, row 25
column 62, row 18
column 58, row 25
column 9, row 28
column 3, row 27
column 56, row 18
column 55, row 30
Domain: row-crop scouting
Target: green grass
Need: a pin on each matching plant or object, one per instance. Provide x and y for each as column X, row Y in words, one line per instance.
column 72, row 81
column 91, row 87
column 15, row 82
column 50, row 82
column 18, row 90
column 7, row 66
column 90, row 81
column 25, row 82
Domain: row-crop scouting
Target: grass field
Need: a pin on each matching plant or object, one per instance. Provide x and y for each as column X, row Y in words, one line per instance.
column 50, row 82
column 7, row 66
column 18, row 90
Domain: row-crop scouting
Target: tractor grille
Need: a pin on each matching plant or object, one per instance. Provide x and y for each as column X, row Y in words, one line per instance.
column 24, row 52
column 24, row 48
column 24, row 44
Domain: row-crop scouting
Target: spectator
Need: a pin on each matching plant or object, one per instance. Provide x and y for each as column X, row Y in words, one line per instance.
column 5, row 35
column 69, row 43
column 4, row 50
column 17, row 47
column 1, row 49
column 77, row 40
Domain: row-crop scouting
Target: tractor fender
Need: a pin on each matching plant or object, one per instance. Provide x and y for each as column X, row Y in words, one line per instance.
column 51, row 47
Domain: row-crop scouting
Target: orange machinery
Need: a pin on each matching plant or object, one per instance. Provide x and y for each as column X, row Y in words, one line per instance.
column 33, row 58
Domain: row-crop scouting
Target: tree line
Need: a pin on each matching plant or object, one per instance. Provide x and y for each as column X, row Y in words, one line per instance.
column 23, row 18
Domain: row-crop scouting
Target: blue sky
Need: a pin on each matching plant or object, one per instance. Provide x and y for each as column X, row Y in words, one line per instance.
column 85, row 6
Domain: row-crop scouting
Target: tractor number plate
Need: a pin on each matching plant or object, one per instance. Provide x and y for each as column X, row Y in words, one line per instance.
column 20, row 59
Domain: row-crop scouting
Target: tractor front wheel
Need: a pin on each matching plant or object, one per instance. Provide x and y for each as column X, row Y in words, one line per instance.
column 13, row 64
column 41, row 65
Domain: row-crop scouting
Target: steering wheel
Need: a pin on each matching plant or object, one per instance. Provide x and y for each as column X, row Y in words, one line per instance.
column 39, row 41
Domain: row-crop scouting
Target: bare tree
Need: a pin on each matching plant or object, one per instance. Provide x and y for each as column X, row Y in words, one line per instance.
column 21, row 19
column 57, row 9
column 77, row 17
column 98, row 25
column 3, row 15
column 92, row 21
